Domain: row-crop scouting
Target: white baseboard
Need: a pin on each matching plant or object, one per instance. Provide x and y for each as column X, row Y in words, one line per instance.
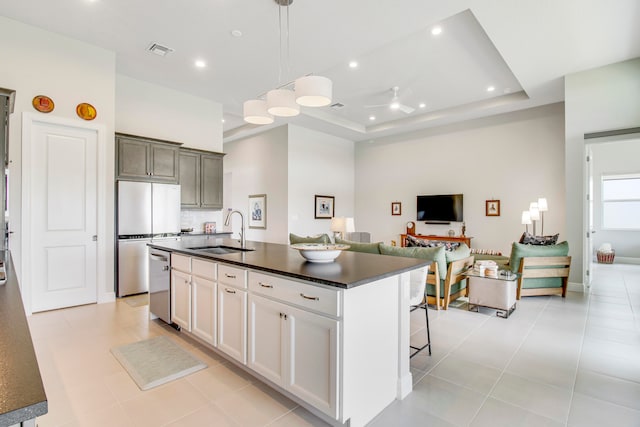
column 106, row 297
column 575, row 287
column 626, row 260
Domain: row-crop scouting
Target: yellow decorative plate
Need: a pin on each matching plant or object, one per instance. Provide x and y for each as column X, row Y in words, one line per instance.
column 86, row 111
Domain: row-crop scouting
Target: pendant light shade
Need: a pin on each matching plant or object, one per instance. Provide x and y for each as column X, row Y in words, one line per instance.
column 313, row 91
column 255, row 112
column 282, row 103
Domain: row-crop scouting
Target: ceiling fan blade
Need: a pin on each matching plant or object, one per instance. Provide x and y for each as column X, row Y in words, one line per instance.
column 406, row 109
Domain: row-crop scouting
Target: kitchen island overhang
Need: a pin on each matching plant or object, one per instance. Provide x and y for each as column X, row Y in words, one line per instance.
column 371, row 341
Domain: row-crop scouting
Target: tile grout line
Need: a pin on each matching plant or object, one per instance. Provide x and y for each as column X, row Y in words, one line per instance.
column 488, row 395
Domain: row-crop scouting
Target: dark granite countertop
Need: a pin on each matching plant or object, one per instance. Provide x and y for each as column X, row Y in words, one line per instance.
column 22, row 395
column 349, row 270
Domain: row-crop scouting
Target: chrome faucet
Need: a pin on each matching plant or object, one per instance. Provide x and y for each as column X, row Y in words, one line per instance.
column 228, row 220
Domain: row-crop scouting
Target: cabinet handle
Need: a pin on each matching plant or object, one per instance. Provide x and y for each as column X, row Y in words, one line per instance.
column 229, row 291
column 265, row 285
column 311, row 298
column 230, row 276
column 281, row 315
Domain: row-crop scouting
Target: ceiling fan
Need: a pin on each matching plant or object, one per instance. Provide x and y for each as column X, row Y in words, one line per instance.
column 395, row 103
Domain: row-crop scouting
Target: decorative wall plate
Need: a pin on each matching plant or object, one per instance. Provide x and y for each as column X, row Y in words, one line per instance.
column 86, row 111
column 43, row 103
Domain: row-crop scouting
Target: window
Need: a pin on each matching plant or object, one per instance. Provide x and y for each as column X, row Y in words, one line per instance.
column 621, row 202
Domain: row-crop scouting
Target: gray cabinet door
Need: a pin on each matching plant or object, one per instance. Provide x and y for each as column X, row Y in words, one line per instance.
column 164, row 163
column 189, row 179
column 133, row 159
column 211, row 179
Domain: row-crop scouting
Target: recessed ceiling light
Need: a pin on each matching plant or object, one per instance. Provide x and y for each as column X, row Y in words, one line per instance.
column 353, row 64
column 372, row 118
column 200, row 63
column 222, row 120
column 236, row 33
column 436, row 31
column 491, row 88
column 422, row 105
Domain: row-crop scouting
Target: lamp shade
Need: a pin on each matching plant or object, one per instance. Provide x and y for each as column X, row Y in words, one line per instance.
column 282, row 103
column 313, row 91
column 349, row 226
column 338, row 224
column 542, row 204
column 526, row 218
column 255, row 112
column 534, row 211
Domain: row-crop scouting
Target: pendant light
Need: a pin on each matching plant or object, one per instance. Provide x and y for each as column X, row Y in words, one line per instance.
column 255, row 112
column 286, row 99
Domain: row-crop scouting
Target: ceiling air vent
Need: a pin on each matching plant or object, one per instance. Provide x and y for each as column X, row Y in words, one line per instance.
column 159, row 49
column 337, row 106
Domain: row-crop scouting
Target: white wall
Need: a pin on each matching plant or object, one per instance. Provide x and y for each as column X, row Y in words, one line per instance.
column 146, row 109
column 514, row 157
column 258, row 165
column 319, row 164
column 614, row 158
column 602, row 99
column 37, row 62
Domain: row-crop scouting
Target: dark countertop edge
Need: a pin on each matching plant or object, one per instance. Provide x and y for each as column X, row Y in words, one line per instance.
column 421, row 263
column 24, row 380
column 24, row 414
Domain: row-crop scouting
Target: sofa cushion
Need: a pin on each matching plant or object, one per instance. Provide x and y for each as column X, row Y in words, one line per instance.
column 460, row 252
column 520, row 250
column 370, row 248
column 430, row 254
column 320, row 238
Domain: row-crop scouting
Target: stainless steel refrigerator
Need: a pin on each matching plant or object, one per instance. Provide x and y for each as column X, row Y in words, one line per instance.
column 146, row 212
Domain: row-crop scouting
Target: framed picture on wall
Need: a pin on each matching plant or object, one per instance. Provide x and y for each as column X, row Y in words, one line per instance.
column 396, row 208
column 492, row 208
column 258, row 211
column 324, row 207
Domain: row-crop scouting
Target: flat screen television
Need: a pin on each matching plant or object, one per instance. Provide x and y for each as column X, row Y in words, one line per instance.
column 441, row 208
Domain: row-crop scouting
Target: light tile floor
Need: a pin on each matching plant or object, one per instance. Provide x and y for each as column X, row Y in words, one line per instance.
column 554, row 362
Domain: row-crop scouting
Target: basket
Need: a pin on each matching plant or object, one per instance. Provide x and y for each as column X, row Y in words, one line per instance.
column 606, row 257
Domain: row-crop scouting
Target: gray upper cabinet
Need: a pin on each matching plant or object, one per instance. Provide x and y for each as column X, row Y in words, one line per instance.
column 201, row 179
column 145, row 159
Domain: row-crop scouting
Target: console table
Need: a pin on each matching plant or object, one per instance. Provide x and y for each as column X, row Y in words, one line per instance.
column 462, row 239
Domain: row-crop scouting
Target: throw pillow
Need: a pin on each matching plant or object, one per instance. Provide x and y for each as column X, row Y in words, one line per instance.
column 415, row 242
column 529, row 239
column 320, row 238
column 371, row 248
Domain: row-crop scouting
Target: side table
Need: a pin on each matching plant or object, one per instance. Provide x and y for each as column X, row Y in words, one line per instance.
column 493, row 292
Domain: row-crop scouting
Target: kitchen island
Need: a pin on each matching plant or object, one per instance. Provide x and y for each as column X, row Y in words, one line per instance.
column 334, row 337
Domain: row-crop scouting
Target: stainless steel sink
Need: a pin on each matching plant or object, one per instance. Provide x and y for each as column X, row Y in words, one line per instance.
column 220, row 249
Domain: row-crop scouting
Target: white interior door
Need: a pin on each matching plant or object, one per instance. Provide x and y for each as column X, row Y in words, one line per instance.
column 62, row 215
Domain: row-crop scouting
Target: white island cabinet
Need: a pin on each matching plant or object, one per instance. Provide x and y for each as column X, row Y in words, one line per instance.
column 193, row 296
column 295, row 348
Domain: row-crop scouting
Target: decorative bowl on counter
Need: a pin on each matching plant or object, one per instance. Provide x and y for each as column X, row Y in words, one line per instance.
column 319, row 252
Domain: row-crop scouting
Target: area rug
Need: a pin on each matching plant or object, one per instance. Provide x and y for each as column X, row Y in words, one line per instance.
column 156, row 361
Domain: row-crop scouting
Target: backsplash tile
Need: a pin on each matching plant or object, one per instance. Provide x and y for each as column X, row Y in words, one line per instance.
column 196, row 218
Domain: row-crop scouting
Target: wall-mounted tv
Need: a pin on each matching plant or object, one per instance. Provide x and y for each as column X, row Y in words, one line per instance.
column 441, row 208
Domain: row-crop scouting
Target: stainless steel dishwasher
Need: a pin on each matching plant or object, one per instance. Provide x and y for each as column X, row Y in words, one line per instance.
column 160, row 284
